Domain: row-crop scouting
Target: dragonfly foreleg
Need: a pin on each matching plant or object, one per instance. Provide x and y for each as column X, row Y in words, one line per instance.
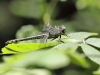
column 66, row 34
column 60, row 39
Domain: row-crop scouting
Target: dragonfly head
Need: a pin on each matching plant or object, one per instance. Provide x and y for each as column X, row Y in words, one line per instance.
column 63, row 29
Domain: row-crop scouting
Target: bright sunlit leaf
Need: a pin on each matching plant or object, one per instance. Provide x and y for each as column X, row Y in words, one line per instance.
column 25, row 47
column 81, row 35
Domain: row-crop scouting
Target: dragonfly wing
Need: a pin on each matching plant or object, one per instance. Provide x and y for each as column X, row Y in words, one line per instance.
column 44, row 40
column 46, row 27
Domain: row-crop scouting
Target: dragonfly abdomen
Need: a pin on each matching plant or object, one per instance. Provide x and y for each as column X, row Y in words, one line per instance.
column 25, row 39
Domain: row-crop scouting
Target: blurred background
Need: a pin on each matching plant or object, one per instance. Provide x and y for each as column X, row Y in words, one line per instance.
column 29, row 16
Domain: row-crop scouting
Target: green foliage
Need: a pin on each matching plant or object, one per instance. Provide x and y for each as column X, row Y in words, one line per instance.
column 27, row 8
column 92, row 40
column 74, row 56
column 15, row 48
column 97, row 72
column 82, row 35
column 51, row 55
column 91, row 53
column 82, row 4
column 25, row 31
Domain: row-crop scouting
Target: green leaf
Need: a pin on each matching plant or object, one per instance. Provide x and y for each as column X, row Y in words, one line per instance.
column 40, row 58
column 4, row 67
column 78, row 59
column 56, row 53
column 53, row 60
column 92, row 53
column 81, row 35
column 14, row 58
column 26, row 47
column 70, row 49
column 43, row 57
column 94, row 42
column 24, row 58
column 65, row 47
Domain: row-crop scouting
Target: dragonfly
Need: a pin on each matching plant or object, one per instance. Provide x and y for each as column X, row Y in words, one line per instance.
column 48, row 33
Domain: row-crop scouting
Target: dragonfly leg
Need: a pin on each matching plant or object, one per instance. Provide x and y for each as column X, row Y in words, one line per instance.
column 60, row 39
column 53, row 39
column 66, row 35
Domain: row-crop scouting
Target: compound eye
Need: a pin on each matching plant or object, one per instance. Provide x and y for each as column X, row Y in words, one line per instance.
column 63, row 31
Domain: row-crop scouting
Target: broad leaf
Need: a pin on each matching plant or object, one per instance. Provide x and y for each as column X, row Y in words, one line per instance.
column 91, row 53
column 14, row 58
column 22, row 59
column 26, row 47
column 94, row 42
column 81, row 35
column 40, row 58
column 53, row 60
column 70, row 49
column 65, row 47
column 4, row 67
column 43, row 57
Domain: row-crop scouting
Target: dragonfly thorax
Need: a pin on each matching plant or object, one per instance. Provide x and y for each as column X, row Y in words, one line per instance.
column 54, row 31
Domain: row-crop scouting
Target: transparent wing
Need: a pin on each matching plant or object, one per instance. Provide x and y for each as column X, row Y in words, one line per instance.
column 46, row 27
column 44, row 39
